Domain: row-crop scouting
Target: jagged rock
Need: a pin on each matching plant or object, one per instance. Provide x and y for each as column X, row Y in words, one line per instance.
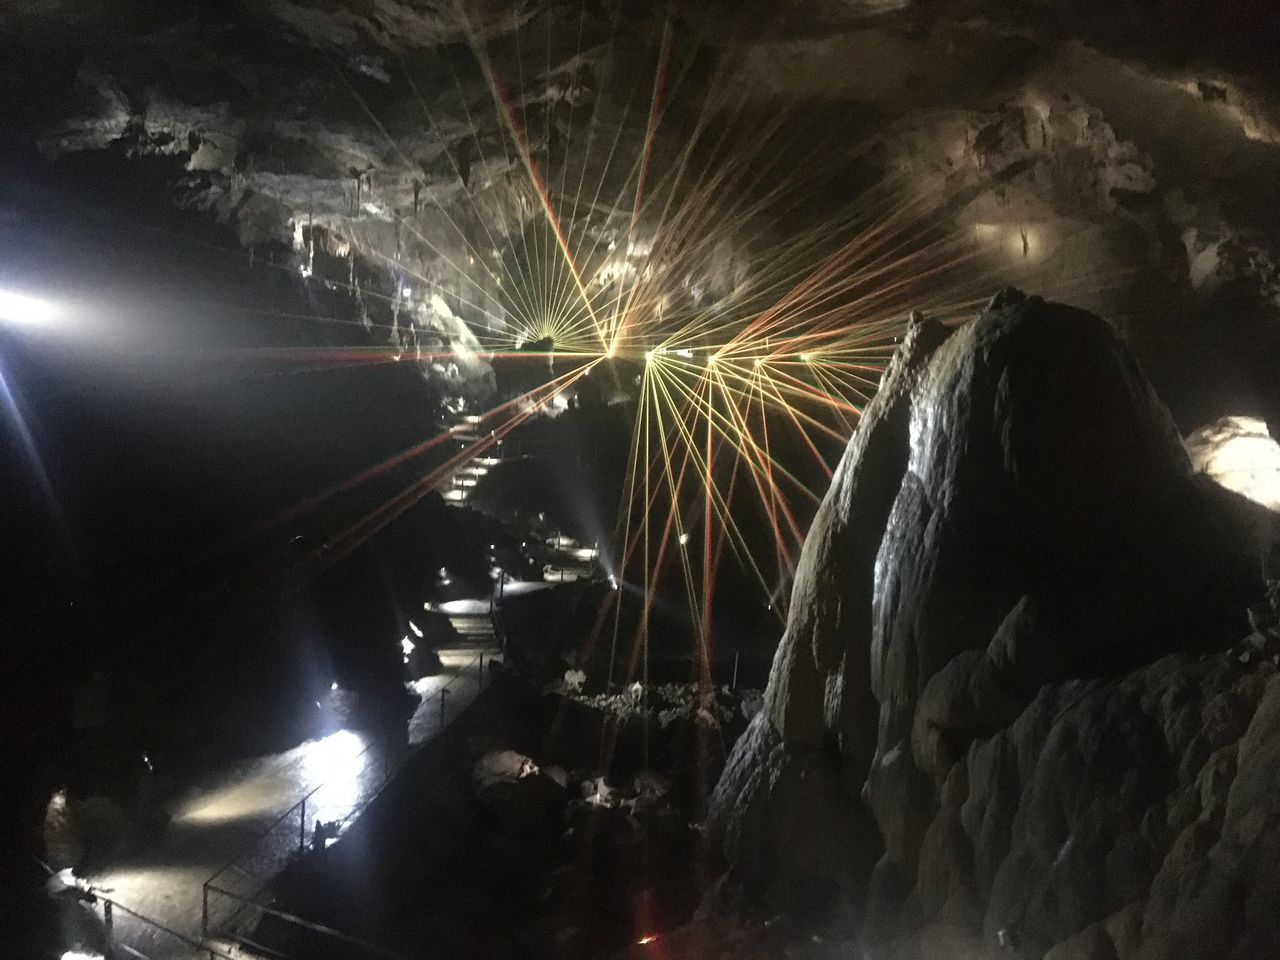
column 782, row 753
column 1054, row 598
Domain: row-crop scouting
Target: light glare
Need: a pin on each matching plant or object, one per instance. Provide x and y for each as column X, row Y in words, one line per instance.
column 18, row 308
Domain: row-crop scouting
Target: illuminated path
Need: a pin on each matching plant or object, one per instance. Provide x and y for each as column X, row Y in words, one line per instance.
column 220, row 817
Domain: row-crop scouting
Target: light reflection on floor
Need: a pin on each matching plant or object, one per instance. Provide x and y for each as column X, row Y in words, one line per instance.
column 211, row 823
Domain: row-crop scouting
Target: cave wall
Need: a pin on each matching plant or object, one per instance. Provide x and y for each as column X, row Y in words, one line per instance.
column 1015, row 675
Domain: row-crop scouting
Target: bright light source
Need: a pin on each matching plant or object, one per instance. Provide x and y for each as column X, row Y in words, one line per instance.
column 1238, row 453
column 417, row 631
column 646, row 939
column 648, row 355
column 757, row 362
column 334, row 685
column 805, row 357
column 336, row 761
column 18, row 308
column 613, row 581
column 77, row 955
column 684, row 353
column 684, row 538
column 406, row 646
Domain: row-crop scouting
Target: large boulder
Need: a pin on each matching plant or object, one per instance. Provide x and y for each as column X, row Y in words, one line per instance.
column 1008, row 671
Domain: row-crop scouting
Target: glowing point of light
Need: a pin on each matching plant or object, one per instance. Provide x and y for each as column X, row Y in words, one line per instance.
column 406, row 291
column 684, row 538
column 757, row 362
column 684, row 353
column 335, row 762
column 646, row 939
column 806, row 357
column 19, row 308
column 648, row 355
column 613, row 581
column 304, row 270
column 78, row 955
column 417, row 631
column 407, row 645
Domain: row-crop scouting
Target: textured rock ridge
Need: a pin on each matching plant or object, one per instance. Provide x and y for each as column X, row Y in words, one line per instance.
column 1009, row 670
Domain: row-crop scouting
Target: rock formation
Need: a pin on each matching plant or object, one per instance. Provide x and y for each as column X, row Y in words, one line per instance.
column 1012, row 676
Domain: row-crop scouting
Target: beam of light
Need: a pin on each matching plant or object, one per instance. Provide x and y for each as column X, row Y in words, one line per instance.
column 516, row 128
column 21, row 309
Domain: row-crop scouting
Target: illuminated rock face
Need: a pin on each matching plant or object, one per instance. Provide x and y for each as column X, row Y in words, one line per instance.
column 1239, row 454
column 1024, row 698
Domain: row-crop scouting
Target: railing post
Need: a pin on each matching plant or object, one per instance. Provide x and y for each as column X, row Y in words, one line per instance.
column 108, row 923
column 480, row 673
column 302, row 826
column 444, row 692
column 204, row 910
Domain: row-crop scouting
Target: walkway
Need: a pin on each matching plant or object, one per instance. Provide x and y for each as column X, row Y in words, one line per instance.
column 215, row 824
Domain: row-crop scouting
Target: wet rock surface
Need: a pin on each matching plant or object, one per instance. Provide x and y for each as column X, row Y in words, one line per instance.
column 1046, row 645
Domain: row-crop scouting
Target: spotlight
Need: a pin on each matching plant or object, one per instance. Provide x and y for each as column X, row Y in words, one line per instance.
column 806, row 357
column 18, row 308
column 684, row 538
column 648, row 356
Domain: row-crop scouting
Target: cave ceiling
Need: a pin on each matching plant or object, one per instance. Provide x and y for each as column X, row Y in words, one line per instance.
column 1106, row 150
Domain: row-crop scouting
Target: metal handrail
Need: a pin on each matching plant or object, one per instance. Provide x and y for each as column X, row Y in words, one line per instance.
column 300, row 806
column 311, row 925
column 109, row 906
